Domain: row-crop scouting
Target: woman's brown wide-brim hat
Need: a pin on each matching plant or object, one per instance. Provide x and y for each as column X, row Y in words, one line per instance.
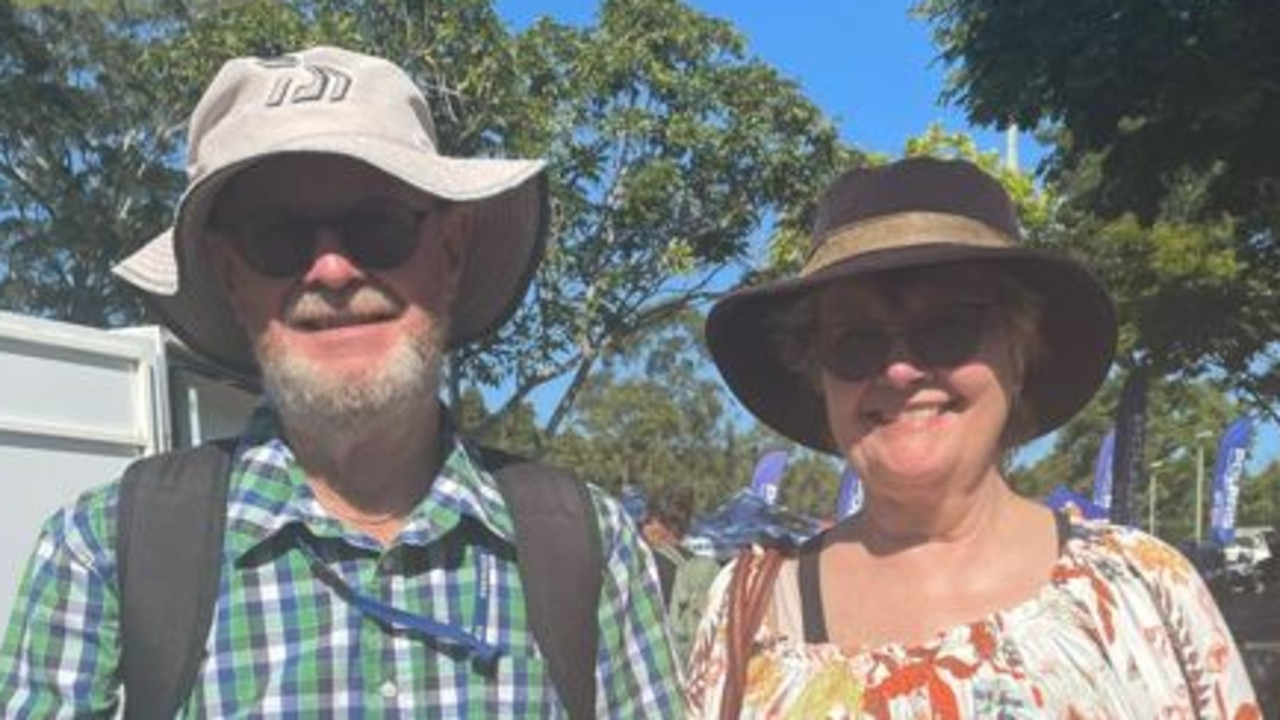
column 915, row 213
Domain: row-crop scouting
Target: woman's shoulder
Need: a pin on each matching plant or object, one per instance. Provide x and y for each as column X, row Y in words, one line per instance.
column 1118, row 552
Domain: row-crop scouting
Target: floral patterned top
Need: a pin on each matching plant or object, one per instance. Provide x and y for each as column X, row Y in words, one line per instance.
column 1124, row 629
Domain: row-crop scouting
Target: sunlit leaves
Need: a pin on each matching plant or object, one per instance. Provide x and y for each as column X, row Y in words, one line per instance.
column 1165, row 156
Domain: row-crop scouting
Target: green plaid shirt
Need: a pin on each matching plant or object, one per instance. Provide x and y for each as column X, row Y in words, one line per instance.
column 283, row 644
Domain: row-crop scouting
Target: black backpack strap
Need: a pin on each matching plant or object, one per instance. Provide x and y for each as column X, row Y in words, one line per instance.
column 172, row 511
column 559, row 556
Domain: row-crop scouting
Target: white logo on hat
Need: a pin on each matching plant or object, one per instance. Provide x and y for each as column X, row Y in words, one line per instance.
column 324, row 81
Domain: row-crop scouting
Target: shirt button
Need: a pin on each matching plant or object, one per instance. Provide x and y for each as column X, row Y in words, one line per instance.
column 389, row 689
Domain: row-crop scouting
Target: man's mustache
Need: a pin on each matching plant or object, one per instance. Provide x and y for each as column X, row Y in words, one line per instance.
column 327, row 306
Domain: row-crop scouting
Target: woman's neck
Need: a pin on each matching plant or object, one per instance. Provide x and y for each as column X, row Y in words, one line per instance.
column 887, row 524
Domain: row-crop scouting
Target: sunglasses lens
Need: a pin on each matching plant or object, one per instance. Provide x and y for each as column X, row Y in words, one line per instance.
column 940, row 341
column 382, row 238
column 279, row 247
column 854, row 354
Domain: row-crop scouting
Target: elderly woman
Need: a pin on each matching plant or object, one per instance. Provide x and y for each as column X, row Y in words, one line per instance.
column 921, row 342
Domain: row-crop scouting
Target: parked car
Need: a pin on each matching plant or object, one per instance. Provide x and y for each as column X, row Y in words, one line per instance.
column 1250, row 559
column 1250, row 546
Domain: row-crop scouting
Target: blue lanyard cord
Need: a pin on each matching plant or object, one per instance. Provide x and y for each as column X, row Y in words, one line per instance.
column 480, row 650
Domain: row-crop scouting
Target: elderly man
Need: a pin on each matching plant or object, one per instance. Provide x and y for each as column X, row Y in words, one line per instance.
column 370, row 560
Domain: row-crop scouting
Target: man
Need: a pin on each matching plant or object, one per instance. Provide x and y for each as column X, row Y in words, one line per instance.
column 369, row 560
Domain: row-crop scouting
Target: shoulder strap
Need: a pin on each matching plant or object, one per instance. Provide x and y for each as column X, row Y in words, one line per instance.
column 168, row 546
column 815, row 622
column 750, row 588
column 559, row 556
column 171, row 519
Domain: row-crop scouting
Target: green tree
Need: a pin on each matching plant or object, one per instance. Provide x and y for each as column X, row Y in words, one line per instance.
column 1156, row 89
column 671, row 150
column 516, row 431
column 651, row 417
column 1184, row 420
column 81, row 132
column 1161, row 117
column 1260, row 498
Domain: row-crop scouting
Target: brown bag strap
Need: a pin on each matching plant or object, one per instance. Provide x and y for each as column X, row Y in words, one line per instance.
column 750, row 588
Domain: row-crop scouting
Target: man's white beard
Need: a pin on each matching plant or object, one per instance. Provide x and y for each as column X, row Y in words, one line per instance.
column 318, row 404
column 315, row 402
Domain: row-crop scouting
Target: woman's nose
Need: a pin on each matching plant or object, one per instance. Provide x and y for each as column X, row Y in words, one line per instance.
column 902, row 368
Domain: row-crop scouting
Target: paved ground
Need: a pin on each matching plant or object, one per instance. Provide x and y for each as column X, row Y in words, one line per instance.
column 1255, row 621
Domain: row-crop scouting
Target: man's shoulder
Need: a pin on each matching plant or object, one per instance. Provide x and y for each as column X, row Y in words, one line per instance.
column 84, row 530
column 494, row 460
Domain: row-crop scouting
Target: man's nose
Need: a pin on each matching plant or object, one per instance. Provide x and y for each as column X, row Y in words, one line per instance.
column 330, row 264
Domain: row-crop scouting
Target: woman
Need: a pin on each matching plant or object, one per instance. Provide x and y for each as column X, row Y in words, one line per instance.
column 921, row 342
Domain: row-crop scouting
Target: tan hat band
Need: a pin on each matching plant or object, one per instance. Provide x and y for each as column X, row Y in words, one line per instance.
column 902, row 230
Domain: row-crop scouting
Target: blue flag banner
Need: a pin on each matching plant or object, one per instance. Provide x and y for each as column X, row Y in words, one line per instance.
column 849, row 501
column 1064, row 499
column 1102, row 472
column 768, row 474
column 1228, row 472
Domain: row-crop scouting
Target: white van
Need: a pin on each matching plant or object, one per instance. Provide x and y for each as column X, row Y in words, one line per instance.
column 77, row 404
column 1250, row 546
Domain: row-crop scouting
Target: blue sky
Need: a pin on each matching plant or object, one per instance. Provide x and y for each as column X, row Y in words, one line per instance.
column 866, row 63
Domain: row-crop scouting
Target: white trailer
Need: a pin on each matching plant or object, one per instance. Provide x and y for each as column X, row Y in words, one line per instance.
column 77, row 404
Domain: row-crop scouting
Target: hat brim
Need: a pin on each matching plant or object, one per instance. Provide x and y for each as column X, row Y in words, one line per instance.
column 509, row 231
column 1077, row 324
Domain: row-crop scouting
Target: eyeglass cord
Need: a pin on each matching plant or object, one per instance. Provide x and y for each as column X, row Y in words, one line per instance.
column 379, row 611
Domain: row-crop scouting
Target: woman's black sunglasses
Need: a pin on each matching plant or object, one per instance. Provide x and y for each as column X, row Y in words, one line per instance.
column 376, row 236
column 941, row 340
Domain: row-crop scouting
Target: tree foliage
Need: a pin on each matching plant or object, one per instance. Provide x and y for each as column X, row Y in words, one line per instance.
column 1162, row 118
column 81, row 136
column 1156, row 87
column 1260, row 498
column 651, row 417
column 654, row 416
column 1184, row 422
column 671, row 149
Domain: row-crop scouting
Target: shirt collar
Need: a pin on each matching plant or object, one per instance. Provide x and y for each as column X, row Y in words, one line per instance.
column 269, row 493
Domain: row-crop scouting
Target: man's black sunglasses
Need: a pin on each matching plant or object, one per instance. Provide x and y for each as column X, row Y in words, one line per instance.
column 941, row 340
column 376, row 236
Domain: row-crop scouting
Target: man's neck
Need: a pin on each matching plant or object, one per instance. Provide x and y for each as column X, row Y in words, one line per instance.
column 371, row 479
